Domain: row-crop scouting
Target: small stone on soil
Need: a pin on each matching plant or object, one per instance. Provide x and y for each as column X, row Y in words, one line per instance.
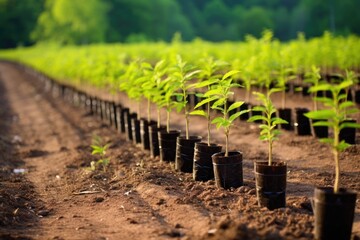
column 43, row 213
column 178, row 225
column 161, row 201
column 99, row 199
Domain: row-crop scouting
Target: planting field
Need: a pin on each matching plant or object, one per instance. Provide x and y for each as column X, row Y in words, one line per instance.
column 139, row 197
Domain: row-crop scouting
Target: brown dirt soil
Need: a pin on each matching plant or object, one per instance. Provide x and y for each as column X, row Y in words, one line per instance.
column 139, row 197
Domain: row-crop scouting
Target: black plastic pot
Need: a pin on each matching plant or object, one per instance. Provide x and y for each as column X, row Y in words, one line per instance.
column 320, row 131
column 144, row 133
column 256, row 113
column 348, row 134
column 334, row 213
column 302, row 124
column 115, row 115
column 167, row 145
column 135, row 128
column 128, row 125
column 203, row 169
column 270, row 184
column 124, row 113
column 245, row 116
column 154, row 139
column 357, row 96
column 305, row 91
column 285, row 113
column 228, row 171
column 184, row 159
column 118, row 116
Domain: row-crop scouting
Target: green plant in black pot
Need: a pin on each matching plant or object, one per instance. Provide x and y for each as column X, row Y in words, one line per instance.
column 270, row 176
column 334, row 207
column 167, row 138
column 182, row 74
column 228, row 164
column 313, row 78
column 284, row 75
column 203, row 167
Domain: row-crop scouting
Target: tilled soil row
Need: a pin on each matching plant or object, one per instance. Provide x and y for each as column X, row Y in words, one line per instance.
column 140, row 197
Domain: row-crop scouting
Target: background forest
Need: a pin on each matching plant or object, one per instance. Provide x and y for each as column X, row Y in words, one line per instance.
column 25, row 22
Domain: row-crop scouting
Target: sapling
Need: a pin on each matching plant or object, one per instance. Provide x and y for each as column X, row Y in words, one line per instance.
column 313, row 78
column 337, row 108
column 284, row 75
column 153, row 86
column 166, row 98
column 182, row 73
column 208, row 77
column 269, row 128
column 221, row 92
column 98, row 148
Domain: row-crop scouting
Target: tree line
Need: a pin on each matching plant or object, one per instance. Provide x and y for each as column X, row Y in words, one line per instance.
column 25, row 22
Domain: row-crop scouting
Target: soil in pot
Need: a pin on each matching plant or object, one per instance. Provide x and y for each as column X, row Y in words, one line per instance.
column 167, row 145
column 270, row 184
column 144, row 132
column 348, row 134
column 320, row 131
column 154, row 139
column 135, row 127
column 302, row 124
column 285, row 113
column 203, row 169
column 334, row 213
column 228, row 171
column 184, row 160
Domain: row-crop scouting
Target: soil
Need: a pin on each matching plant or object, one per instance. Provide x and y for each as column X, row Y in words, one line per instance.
column 57, row 196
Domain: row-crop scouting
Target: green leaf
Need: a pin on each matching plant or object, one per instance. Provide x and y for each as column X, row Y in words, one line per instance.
column 349, row 125
column 274, row 90
column 234, row 116
column 199, row 113
column 342, row 146
column 235, row 105
column 256, row 118
column 205, row 101
column 217, row 120
column 321, row 87
column 321, row 114
column 276, row 121
column 323, row 99
column 327, row 140
column 323, row 124
column 259, row 108
column 229, row 74
column 346, row 104
column 191, row 74
column 212, row 92
column 219, row 102
column 344, row 84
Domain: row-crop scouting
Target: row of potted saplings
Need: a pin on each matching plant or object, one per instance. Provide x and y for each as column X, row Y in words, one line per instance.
column 333, row 207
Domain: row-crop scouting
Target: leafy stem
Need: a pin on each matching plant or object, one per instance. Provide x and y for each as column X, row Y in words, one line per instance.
column 334, row 116
column 269, row 128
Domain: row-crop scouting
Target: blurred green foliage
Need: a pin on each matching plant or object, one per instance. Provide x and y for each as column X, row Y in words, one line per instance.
column 24, row 22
